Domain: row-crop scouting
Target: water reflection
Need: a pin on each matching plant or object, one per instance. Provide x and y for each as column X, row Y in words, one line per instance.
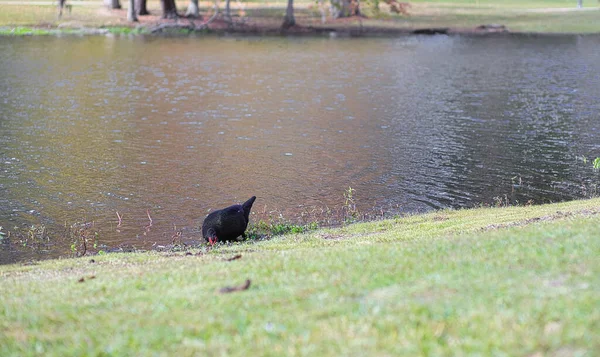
column 173, row 127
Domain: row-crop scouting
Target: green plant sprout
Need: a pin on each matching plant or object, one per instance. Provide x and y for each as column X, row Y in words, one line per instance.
column 350, row 205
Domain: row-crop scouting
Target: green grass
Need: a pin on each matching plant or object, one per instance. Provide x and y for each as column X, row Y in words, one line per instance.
column 37, row 15
column 121, row 30
column 511, row 3
column 20, row 31
column 516, row 21
column 262, row 229
column 518, row 281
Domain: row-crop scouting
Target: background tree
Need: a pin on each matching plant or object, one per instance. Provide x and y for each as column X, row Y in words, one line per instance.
column 61, row 6
column 580, row 3
column 228, row 10
column 192, row 10
column 345, row 8
column 131, row 15
column 112, row 4
column 169, row 9
column 289, row 20
column 140, row 6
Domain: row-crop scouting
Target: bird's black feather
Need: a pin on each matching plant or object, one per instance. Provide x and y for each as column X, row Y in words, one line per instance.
column 228, row 223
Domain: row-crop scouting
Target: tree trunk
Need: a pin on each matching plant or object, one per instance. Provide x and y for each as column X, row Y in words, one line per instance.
column 345, row 8
column 131, row 15
column 140, row 6
column 61, row 6
column 169, row 9
column 192, row 10
column 112, row 4
column 579, row 4
column 228, row 10
column 289, row 20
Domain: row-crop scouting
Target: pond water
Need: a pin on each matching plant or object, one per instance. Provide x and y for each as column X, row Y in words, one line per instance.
column 169, row 128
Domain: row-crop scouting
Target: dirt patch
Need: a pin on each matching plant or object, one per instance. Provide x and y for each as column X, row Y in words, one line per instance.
column 440, row 218
column 332, row 237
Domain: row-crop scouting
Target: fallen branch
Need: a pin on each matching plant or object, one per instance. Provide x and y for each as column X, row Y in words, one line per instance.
column 82, row 279
column 147, row 228
column 231, row 289
column 235, row 257
column 431, row 31
column 205, row 24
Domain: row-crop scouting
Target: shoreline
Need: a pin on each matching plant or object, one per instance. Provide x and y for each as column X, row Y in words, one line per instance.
column 296, row 31
column 262, row 232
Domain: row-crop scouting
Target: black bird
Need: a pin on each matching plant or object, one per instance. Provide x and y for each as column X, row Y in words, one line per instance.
column 227, row 223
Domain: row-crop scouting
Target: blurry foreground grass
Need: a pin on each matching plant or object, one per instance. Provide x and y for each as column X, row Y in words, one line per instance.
column 518, row 281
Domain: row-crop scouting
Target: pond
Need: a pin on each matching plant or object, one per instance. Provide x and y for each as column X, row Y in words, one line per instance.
column 140, row 137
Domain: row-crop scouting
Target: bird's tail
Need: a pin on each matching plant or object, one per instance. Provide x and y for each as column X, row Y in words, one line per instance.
column 247, row 206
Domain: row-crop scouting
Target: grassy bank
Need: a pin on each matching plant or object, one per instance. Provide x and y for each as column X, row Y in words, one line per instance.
column 556, row 16
column 520, row 281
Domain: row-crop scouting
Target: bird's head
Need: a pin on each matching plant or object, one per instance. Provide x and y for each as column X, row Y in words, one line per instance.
column 211, row 235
